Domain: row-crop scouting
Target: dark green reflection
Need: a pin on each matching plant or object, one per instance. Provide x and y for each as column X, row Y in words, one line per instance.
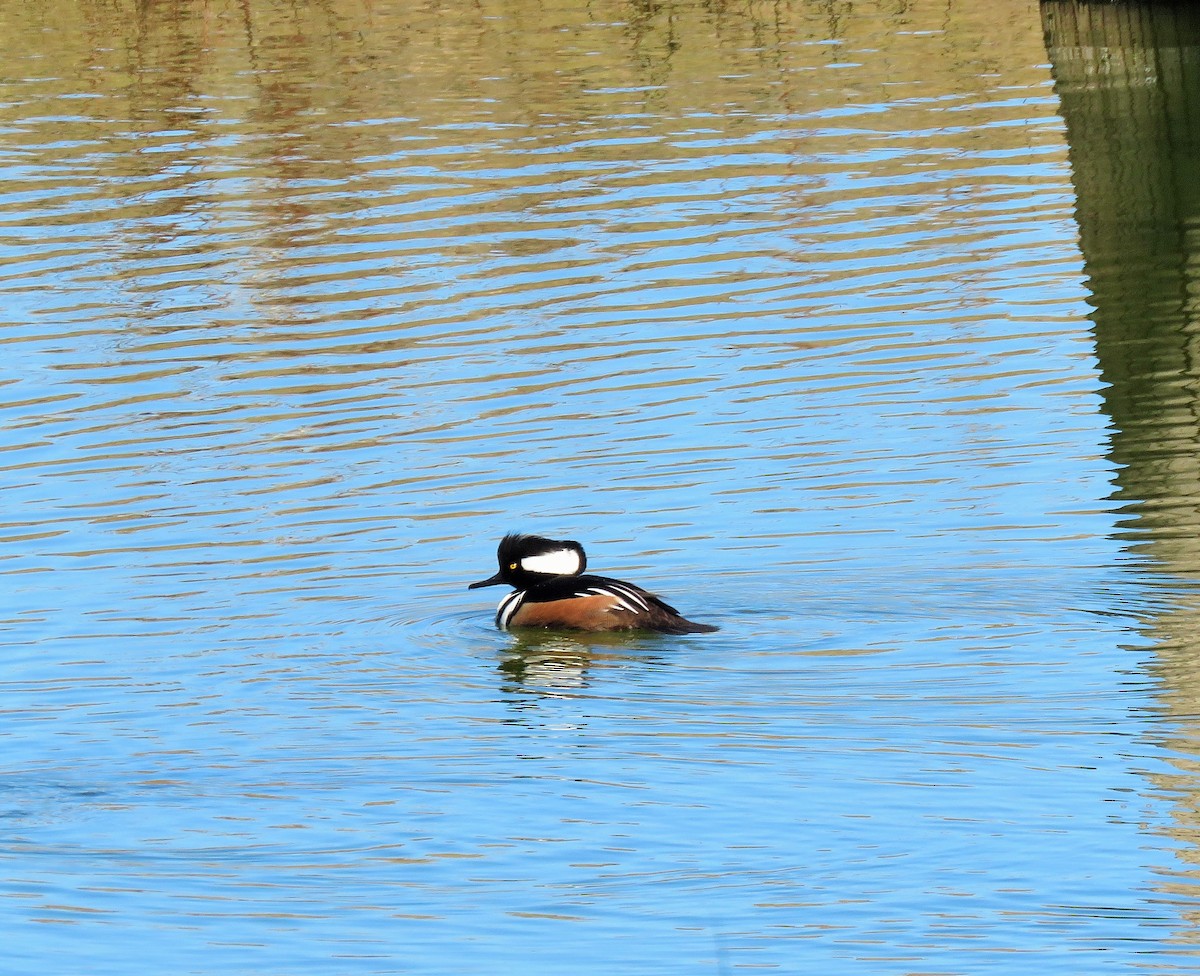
column 1128, row 78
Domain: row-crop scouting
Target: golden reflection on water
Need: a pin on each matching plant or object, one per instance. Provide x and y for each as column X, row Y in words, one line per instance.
column 279, row 123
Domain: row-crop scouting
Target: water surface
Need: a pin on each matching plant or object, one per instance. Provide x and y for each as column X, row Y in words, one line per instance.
column 781, row 310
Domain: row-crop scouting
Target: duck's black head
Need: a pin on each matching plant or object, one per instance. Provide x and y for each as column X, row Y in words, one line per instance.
column 526, row 560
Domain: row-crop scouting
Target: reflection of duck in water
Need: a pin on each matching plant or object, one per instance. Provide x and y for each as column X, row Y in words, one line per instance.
column 552, row 661
column 561, row 660
column 551, row 592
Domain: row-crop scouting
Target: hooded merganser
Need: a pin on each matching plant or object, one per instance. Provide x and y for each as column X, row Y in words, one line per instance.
column 552, row 592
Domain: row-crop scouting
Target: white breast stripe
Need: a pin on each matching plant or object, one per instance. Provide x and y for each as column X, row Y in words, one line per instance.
column 623, row 595
column 508, row 606
column 560, row 562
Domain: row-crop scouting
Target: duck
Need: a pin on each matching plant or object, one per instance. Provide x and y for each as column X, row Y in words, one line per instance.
column 551, row 591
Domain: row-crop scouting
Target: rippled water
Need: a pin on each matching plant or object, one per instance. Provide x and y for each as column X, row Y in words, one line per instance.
column 781, row 311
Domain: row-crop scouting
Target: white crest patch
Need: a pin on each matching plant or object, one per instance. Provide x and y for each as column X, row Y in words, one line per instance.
column 560, row 562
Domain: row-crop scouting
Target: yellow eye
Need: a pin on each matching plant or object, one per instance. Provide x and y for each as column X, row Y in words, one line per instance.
column 512, row 565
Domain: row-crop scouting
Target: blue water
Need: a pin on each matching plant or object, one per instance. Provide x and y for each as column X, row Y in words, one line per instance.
column 289, row 348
